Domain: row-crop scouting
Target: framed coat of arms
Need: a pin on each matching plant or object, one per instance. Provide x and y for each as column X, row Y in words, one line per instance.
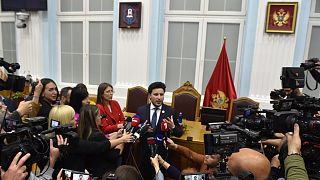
column 281, row 17
column 130, row 15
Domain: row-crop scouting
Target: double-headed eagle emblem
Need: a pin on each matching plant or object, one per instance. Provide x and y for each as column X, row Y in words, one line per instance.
column 281, row 17
column 219, row 100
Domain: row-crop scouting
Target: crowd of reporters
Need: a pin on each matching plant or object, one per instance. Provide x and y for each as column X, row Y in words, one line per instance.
column 101, row 141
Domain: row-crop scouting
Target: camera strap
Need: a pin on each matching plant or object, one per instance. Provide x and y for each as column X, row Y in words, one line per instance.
column 307, row 84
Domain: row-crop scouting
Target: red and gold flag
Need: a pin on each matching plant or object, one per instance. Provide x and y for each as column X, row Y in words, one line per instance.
column 220, row 88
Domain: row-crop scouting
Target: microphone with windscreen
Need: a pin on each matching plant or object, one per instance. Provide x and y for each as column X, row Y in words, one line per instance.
column 164, row 129
column 152, row 146
column 135, row 123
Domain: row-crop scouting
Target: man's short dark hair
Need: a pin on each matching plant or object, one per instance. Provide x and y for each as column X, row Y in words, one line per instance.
column 156, row 85
column 64, row 91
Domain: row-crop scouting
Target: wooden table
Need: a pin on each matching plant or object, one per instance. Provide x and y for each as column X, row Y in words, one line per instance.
column 193, row 139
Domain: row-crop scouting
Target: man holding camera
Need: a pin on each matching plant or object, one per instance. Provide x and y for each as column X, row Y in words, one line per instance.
column 17, row 168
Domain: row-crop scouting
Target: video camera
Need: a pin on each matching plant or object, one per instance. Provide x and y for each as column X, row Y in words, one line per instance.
column 29, row 140
column 14, row 82
column 221, row 142
column 37, row 124
column 277, row 94
column 309, row 64
column 302, row 110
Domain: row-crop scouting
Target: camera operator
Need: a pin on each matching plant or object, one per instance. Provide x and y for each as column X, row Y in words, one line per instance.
column 17, row 169
column 6, row 81
column 24, row 108
column 293, row 163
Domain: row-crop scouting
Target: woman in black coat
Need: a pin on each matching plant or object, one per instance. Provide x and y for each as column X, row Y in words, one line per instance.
column 88, row 129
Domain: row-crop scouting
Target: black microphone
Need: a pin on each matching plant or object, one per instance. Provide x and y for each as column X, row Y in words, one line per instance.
column 159, row 139
column 152, row 146
column 127, row 124
column 141, row 131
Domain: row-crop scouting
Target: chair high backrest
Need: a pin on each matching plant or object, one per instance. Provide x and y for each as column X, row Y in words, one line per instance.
column 238, row 105
column 186, row 99
column 136, row 96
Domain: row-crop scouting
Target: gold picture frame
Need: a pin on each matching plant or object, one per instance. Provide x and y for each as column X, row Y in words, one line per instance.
column 281, row 17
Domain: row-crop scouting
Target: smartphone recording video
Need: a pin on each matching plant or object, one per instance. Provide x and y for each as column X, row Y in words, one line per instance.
column 74, row 175
column 195, row 176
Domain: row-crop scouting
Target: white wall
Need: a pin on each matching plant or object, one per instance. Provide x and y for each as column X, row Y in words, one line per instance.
column 133, row 55
column 271, row 52
column 29, row 46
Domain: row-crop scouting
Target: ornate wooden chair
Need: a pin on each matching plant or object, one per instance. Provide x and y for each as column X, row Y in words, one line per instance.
column 186, row 100
column 238, row 105
column 136, row 96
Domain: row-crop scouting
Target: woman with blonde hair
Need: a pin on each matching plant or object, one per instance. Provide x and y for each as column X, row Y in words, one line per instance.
column 63, row 114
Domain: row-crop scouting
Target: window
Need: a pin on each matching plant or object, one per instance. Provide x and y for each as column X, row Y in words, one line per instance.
column 317, row 6
column 85, row 41
column 225, row 5
column 8, row 37
column 314, row 31
column 194, row 32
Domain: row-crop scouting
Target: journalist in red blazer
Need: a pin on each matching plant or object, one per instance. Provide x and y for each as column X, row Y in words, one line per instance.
column 165, row 113
column 114, row 117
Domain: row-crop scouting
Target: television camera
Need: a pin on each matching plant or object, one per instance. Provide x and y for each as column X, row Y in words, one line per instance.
column 253, row 125
column 310, row 63
column 31, row 139
column 287, row 111
column 225, row 139
column 14, row 82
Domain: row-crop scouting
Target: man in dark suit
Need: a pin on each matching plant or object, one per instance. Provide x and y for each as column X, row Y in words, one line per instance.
column 155, row 113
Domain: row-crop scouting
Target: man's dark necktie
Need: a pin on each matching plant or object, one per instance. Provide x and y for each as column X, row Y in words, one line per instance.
column 154, row 118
